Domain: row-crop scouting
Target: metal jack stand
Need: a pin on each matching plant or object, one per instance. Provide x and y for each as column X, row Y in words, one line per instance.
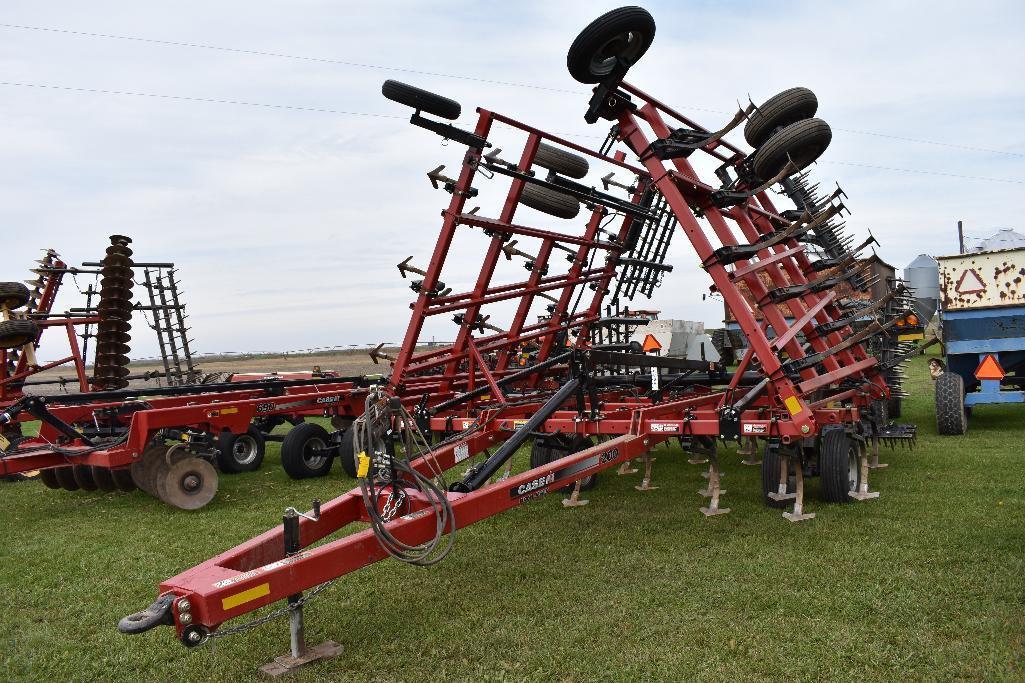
column 300, row 654
column 863, row 493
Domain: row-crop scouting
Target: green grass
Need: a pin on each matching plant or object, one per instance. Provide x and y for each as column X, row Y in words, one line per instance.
column 925, row 583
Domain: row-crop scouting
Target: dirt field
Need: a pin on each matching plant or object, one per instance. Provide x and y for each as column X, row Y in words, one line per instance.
column 355, row 362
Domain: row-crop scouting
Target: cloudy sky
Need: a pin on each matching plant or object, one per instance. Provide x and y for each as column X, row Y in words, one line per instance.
column 288, row 214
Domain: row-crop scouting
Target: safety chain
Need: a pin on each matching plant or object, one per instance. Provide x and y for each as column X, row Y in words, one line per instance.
column 270, row 616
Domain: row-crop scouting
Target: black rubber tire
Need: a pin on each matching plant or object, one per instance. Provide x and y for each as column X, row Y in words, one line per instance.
column 770, row 478
column 779, row 111
column 66, row 478
column 559, row 160
column 49, row 478
column 951, row 417
column 295, row 457
column 804, row 142
column 14, row 295
column 237, row 453
column 15, row 333
column 423, row 100
column 625, row 33
column 542, row 453
column 839, row 468
column 347, row 452
column 558, row 204
column 84, row 477
column 104, row 480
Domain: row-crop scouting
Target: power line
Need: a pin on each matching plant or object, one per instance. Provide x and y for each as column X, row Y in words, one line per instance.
column 266, row 105
column 919, row 171
column 379, row 67
column 199, row 99
column 282, row 55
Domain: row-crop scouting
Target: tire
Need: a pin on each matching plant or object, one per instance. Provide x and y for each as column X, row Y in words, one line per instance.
column 770, row 478
column 296, row 456
column 779, row 111
column 49, row 478
column 804, row 142
column 421, row 99
column 620, row 36
column 558, row 204
column 951, row 417
column 14, row 295
column 543, row 453
column 238, row 453
column 839, row 467
column 347, row 453
column 15, row 333
column 560, row 161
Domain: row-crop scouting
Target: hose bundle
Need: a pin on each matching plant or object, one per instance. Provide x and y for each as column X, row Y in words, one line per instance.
column 382, row 472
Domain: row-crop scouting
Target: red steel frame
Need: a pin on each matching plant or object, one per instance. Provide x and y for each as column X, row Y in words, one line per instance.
column 258, row 572
column 9, row 392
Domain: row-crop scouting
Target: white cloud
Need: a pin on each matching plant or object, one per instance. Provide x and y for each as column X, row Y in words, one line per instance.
column 287, row 225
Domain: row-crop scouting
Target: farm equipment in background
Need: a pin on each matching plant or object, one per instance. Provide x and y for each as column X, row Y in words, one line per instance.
column 982, row 324
column 810, row 392
column 106, row 317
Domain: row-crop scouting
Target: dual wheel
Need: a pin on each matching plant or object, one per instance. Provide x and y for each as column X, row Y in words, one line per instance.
column 15, row 333
column 783, row 129
column 839, row 469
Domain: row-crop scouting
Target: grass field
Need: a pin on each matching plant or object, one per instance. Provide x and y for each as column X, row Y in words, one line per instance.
column 925, row 583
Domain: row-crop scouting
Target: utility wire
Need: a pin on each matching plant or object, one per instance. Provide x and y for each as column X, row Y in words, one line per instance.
column 390, row 116
column 919, row 171
column 380, row 67
column 198, row 99
column 261, row 53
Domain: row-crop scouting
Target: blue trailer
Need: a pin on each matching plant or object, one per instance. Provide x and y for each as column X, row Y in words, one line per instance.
column 982, row 309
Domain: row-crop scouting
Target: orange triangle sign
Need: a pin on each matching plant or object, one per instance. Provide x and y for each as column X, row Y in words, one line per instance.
column 970, row 283
column 989, row 368
column 651, row 344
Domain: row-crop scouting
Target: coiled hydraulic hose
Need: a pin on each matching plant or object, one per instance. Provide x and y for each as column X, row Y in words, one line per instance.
column 380, row 471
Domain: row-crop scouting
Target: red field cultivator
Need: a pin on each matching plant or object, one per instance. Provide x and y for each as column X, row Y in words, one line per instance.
column 806, row 388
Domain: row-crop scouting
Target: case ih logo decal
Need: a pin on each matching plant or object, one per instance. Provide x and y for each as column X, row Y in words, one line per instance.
column 755, row 429
column 664, row 427
column 329, row 399
column 532, row 485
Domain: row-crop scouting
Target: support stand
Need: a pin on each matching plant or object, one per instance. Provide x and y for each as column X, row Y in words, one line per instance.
column 300, row 654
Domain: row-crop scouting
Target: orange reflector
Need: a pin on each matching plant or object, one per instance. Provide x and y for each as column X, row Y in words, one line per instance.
column 989, row 368
column 651, row 344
